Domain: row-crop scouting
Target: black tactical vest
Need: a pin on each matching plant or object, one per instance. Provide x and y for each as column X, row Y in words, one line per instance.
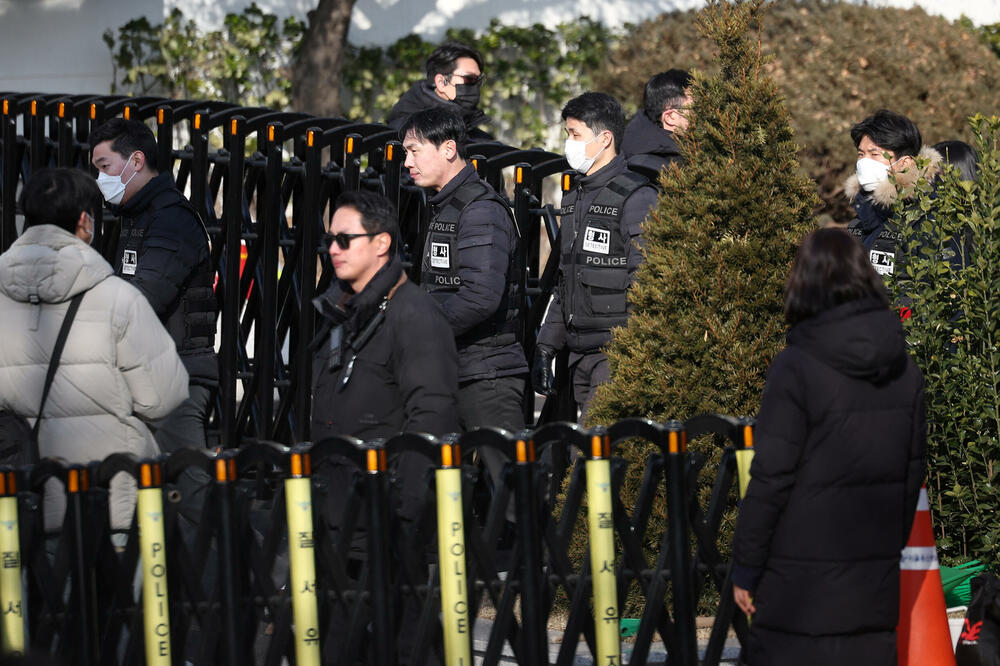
column 190, row 321
column 595, row 257
column 439, row 268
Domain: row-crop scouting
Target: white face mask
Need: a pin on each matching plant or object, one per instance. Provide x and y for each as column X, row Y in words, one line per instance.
column 871, row 173
column 112, row 187
column 576, row 155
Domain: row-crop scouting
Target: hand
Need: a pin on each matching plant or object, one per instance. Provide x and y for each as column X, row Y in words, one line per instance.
column 744, row 600
column 541, row 370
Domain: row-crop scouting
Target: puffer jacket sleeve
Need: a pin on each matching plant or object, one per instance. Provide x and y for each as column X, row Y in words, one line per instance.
column 779, row 439
column 147, row 358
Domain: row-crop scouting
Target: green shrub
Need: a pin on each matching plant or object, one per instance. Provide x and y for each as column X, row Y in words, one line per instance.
column 707, row 306
column 954, row 333
column 835, row 63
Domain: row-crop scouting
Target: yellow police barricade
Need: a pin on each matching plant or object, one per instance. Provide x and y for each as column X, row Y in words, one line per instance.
column 302, row 560
column 152, row 550
column 451, row 555
column 602, row 550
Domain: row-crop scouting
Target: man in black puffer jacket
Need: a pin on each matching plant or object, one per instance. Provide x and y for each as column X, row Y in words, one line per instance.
column 649, row 142
column 163, row 251
column 454, row 82
column 599, row 238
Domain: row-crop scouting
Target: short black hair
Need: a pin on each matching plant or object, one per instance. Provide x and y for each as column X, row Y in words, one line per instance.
column 378, row 215
column 960, row 155
column 890, row 131
column 599, row 112
column 666, row 90
column 58, row 196
column 127, row 137
column 437, row 125
column 442, row 59
column 830, row 268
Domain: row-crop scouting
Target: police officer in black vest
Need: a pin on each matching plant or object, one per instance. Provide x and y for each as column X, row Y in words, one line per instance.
column 163, row 251
column 598, row 238
column 471, row 266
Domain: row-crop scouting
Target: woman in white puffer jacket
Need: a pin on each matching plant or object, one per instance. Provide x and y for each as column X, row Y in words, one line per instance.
column 119, row 366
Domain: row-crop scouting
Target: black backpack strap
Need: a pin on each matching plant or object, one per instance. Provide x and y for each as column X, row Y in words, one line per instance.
column 67, row 322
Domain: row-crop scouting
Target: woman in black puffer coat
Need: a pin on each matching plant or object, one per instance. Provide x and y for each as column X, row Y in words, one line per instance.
column 840, row 448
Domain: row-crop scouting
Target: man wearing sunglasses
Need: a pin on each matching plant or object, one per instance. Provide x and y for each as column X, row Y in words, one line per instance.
column 471, row 265
column 385, row 360
column 454, row 81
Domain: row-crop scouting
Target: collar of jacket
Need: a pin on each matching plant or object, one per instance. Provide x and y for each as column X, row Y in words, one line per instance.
column 644, row 137
column 604, row 175
column 339, row 304
column 886, row 193
column 140, row 201
column 422, row 95
column 467, row 174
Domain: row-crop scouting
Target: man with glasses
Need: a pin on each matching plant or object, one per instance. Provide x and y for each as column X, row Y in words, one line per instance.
column 385, row 358
column 454, row 81
column 649, row 142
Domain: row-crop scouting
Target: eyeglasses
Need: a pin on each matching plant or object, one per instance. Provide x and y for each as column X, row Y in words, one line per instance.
column 470, row 79
column 343, row 240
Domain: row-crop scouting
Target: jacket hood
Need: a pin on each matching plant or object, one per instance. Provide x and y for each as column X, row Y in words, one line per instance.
column 421, row 96
column 861, row 339
column 643, row 137
column 141, row 200
column 886, row 193
column 51, row 265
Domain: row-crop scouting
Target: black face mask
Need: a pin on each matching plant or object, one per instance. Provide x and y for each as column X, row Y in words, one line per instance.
column 467, row 96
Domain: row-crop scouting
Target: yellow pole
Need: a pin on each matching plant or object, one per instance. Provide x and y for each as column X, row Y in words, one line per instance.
column 11, row 592
column 302, row 559
column 744, row 456
column 602, row 551
column 152, row 550
column 451, row 554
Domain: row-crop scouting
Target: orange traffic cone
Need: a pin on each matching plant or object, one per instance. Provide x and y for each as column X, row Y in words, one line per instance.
column 922, row 637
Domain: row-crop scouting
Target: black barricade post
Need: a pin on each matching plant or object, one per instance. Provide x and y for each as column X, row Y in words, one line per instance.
column 534, row 645
column 308, row 242
column 64, row 156
column 165, row 138
column 11, row 591
column 8, row 189
column 376, row 480
column 352, row 163
column 394, row 156
column 85, row 609
column 152, row 549
column 199, row 165
column 230, row 569
column 36, row 125
column 268, row 219
column 302, row 559
column 232, row 228
column 677, row 536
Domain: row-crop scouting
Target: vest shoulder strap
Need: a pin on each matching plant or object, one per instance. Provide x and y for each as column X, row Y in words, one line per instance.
column 471, row 192
column 619, row 189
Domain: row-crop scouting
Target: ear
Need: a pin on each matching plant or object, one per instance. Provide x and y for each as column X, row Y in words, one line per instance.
column 440, row 82
column 449, row 149
column 904, row 163
column 384, row 243
column 665, row 121
column 81, row 231
column 140, row 160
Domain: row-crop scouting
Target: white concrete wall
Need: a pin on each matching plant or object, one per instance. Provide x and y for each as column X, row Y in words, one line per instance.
column 56, row 45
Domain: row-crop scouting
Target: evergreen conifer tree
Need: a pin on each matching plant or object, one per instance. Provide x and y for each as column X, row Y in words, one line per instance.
column 707, row 304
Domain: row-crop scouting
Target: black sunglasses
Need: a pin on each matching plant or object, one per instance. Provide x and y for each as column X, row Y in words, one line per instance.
column 470, row 79
column 343, row 240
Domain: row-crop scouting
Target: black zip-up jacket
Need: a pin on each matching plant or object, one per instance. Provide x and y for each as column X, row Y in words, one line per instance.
column 589, row 301
column 648, row 145
column 421, row 96
column 840, row 448
column 484, row 309
column 405, row 377
column 163, row 251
